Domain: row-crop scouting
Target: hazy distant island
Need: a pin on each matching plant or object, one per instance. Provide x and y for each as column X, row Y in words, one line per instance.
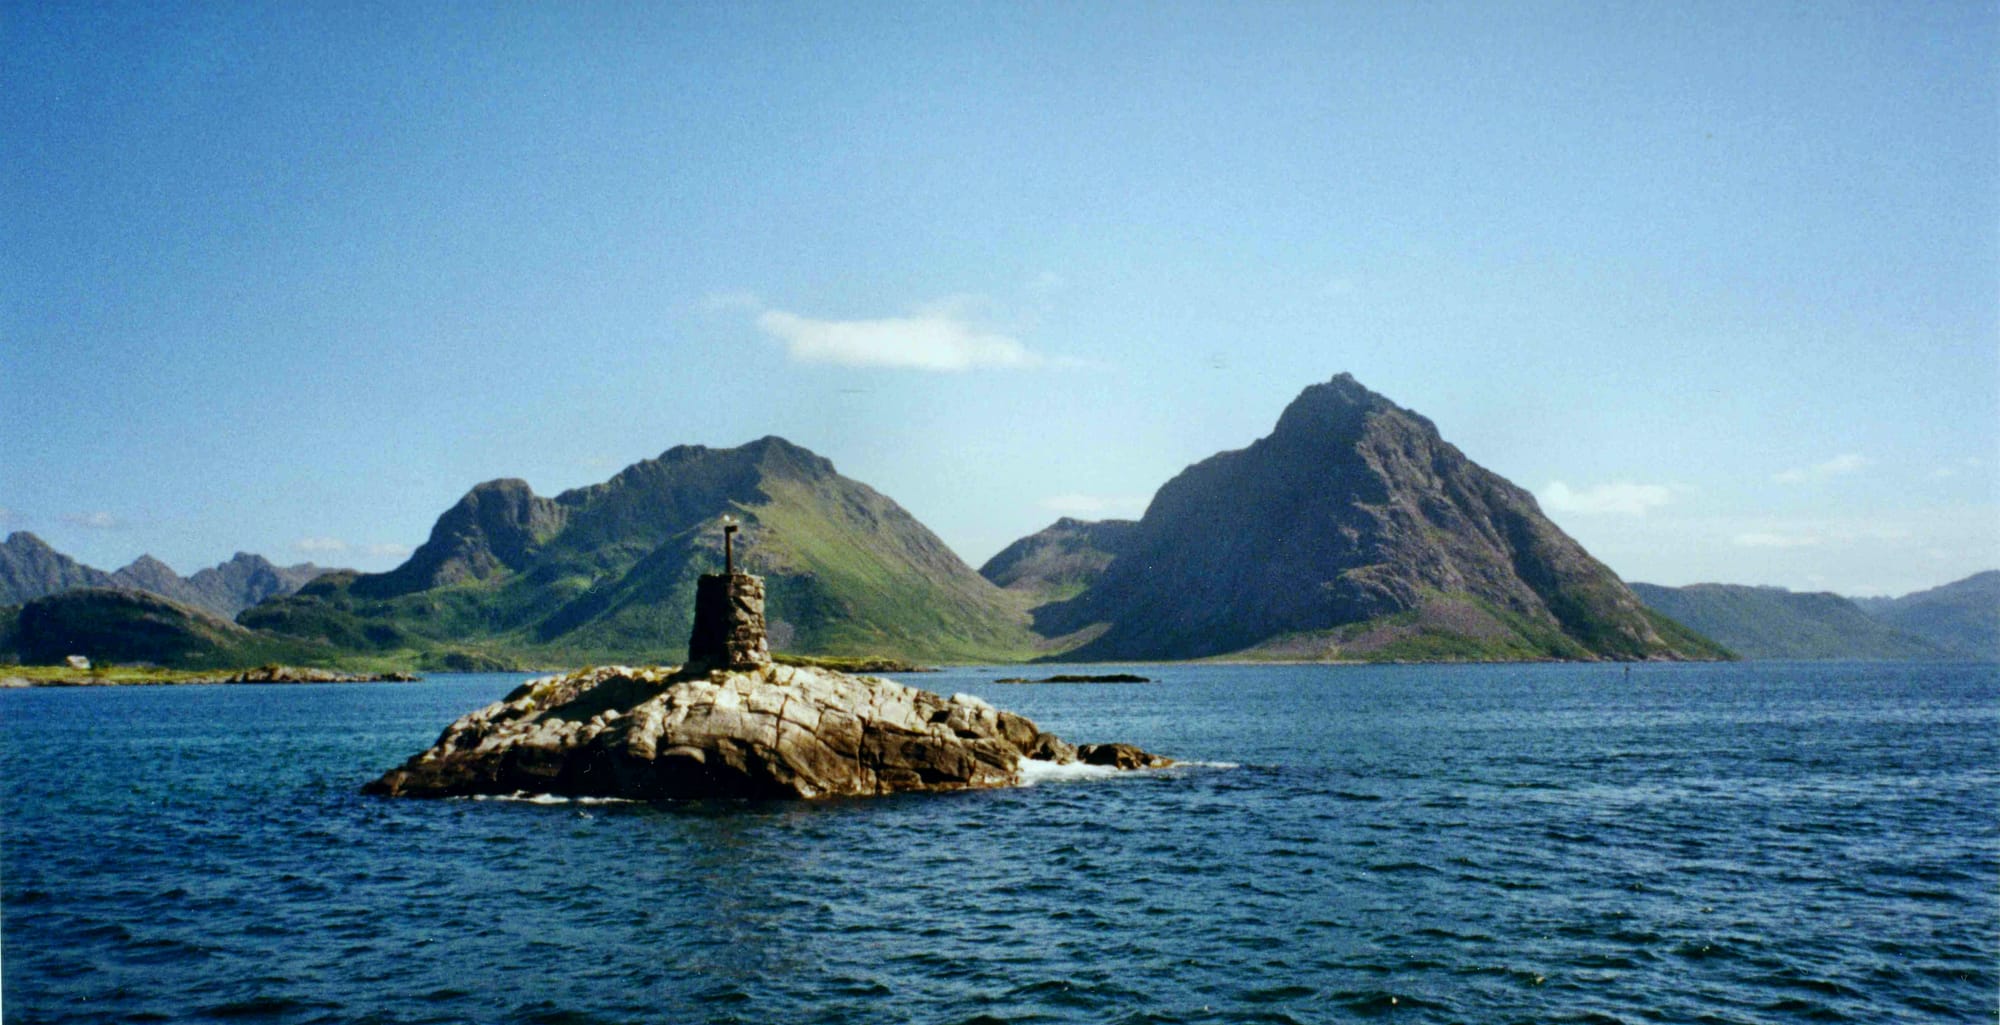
column 1375, row 540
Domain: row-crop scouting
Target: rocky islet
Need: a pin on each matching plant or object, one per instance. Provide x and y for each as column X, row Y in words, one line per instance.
column 733, row 724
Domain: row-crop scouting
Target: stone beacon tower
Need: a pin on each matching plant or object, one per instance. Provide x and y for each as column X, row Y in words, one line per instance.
column 728, row 614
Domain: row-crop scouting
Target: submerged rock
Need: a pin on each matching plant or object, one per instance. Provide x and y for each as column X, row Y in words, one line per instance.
column 757, row 731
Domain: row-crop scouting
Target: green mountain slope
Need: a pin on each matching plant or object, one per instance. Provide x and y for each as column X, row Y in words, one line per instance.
column 113, row 625
column 1354, row 531
column 607, row 572
column 1774, row 623
column 1962, row 617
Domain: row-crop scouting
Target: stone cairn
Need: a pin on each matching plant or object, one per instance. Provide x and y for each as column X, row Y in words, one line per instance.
column 728, row 622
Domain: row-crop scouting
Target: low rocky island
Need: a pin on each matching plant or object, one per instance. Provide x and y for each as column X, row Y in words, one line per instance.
column 81, row 673
column 297, row 674
column 731, row 723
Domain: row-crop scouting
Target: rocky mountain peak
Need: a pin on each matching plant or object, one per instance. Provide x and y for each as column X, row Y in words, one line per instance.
column 775, row 454
column 496, row 525
column 1334, row 412
column 146, row 565
column 1352, row 529
column 27, row 541
column 29, row 569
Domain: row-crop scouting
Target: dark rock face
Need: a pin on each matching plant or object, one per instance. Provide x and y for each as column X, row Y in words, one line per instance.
column 1352, row 514
column 728, row 622
column 1119, row 756
column 770, row 731
column 496, row 526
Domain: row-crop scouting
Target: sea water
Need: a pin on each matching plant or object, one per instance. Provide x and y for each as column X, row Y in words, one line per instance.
column 1720, row 843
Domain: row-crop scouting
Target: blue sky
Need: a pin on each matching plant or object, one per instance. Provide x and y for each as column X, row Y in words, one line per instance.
column 1719, row 282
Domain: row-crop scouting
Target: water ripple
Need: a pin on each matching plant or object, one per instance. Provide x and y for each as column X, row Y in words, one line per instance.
column 1420, row 844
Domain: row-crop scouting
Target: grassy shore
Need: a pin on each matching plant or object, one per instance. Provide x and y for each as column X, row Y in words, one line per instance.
column 122, row 676
column 100, row 676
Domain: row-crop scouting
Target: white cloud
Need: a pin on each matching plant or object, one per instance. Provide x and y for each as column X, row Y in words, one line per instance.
column 1616, row 499
column 1838, row 466
column 1095, row 506
column 338, row 546
column 1776, row 539
column 938, row 338
column 95, row 520
column 1815, row 534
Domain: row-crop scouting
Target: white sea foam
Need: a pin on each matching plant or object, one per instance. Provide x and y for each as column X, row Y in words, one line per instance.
column 1034, row 770
column 524, row 797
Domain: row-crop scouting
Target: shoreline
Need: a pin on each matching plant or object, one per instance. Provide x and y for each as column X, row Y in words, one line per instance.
column 19, row 677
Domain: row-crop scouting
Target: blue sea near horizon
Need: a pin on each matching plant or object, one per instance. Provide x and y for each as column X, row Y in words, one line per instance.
column 1755, row 842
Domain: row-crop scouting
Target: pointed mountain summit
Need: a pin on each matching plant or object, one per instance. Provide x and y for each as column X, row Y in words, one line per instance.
column 608, row 571
column 1354, row 531
column 155, row 577
column 29, row 569
column 246, row 579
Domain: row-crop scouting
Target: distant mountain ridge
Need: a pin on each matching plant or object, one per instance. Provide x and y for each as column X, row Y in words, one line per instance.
column 1061, row 560
column 1774, row 623
column 1351, row 531
column 1962, row 617
column 30, row 569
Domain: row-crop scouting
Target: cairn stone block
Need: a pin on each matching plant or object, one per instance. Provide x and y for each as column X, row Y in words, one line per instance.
column 729, row 622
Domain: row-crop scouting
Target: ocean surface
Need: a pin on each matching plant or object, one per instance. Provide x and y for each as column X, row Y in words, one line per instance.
column 1569, row 843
